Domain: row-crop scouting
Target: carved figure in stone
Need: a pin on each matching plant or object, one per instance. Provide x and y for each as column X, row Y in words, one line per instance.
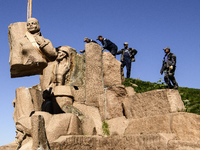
column 56, row 79
column 29, row 50
column 37, row 41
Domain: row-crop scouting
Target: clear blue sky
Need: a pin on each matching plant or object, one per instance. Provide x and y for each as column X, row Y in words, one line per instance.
column 147, row 25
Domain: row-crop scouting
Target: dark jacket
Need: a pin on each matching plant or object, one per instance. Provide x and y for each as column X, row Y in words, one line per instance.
column 107, row 44
column 132, row 52
column 171, row 61
column 92, row 41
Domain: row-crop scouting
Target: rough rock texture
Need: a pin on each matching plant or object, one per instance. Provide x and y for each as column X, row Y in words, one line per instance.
column 111, row 70
column 127, row 102
column 133, row 142
column 26, row 101
column 114, row 98
column 39, row 136
column 118, row 125
column 183, row 145
column 91, row 122
column 156, row 102
column 185, row 125
column 93, row 74
column 147, row 120
column 23, row 63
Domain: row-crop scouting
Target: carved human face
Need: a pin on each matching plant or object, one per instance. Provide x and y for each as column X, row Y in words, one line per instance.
column 33, row 25
column 61, row 55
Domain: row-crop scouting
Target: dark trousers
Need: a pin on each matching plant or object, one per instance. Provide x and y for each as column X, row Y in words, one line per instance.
column 113, row 51
column 169, row 77
column 127, row 63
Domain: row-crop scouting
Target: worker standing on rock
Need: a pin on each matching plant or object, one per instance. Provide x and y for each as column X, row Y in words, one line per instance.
column 127, row 56
column 107, row 44
column 169, row 66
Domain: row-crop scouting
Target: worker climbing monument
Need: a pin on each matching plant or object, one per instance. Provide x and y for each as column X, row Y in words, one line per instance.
column 81, row 103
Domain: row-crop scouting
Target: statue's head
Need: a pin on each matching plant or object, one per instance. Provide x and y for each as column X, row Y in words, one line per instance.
column 33, row 25
column 63, row 52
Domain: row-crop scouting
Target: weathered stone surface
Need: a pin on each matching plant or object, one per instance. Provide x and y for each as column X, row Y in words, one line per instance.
column 127, row 102
column 39, row 133
column 133, row 142
column 93, row 74
column 114, row 99
column 183, row 145
column 79, row 94
column 63, row 91
column 111, row 70
column 118, row 125
column 24, row 59
column 185, row 125
column 11, row 146
column 149, row 125
column 156, row 102
column 27, row 100
column 92, row 123
column 63, row 124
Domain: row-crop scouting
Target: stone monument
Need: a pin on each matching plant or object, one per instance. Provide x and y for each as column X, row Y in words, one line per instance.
column 79, row 94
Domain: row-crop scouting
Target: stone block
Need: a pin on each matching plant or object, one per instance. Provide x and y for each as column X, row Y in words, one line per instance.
column 23, row 103
column 92, row 120
column 63, row 91
column 118, row 125
column 93, row 74
column 114, row 98
column 183, row 145
column 156, row 102
column 127, row 102
column 38, row 133
column 112, row 74
column 24, row 59
column 185, row 126
column 133, row 142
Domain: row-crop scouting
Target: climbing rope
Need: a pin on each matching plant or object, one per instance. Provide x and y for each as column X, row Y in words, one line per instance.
column 29, row 9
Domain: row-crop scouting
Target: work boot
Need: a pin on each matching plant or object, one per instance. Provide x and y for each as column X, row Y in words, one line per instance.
column 176, row 87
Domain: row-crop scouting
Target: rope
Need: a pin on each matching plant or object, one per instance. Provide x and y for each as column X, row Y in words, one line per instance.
column 29, row 9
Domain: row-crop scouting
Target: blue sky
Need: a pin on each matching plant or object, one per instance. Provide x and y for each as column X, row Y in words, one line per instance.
column 147, row 25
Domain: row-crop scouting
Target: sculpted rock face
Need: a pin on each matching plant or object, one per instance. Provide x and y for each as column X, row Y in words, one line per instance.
column 29, row 51
column 77, row 93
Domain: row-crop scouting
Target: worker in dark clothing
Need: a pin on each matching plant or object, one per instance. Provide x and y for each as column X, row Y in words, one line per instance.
column 87, row 40
column 107, row 44
column 127, row 56
column 169, row 66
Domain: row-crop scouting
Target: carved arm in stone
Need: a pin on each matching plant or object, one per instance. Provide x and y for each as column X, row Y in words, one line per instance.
column 46, row 47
